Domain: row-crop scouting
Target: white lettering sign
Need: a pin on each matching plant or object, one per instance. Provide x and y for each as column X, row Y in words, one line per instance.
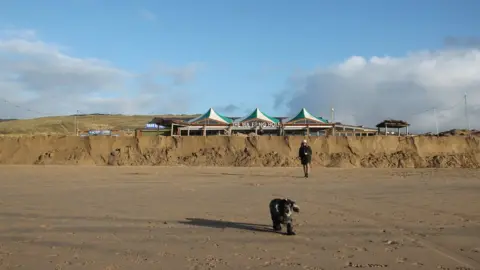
column 255, row 124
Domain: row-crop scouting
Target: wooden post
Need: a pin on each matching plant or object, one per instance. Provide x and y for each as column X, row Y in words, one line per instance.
column 204, row 130
column 398, row 131
column 407, row 130
column 308, row 130
column 386, row 129
column 188, row 131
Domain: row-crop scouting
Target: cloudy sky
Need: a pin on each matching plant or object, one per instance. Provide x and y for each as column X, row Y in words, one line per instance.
column 405, row 59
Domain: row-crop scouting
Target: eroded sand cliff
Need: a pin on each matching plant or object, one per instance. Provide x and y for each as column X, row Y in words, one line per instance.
column 378, row 151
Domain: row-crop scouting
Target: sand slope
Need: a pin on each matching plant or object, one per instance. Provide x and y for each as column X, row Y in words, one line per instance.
column 378, row 151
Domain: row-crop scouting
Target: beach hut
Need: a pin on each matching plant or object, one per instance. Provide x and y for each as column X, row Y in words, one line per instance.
column 393, row 124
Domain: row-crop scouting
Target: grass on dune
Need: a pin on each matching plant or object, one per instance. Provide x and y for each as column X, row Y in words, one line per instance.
column 64, row 125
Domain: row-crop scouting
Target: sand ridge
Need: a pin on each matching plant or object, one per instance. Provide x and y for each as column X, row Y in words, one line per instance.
column 259, row 151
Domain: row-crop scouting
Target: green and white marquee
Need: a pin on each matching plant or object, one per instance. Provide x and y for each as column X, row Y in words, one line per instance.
column 305, row 118
column 211, row 117
column 257, row 116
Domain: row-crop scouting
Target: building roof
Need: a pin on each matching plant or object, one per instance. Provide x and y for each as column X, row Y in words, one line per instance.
column 390, row 123
column 259, row 116
column 168, row 121
column 304, row 117
column 211, row 117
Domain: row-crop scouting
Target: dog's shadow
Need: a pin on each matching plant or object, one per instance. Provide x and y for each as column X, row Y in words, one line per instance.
column 220, row 224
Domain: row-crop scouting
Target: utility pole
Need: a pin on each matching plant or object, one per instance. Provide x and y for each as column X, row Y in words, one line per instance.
column 75, row 124
column 436, row 120
column 466, row 112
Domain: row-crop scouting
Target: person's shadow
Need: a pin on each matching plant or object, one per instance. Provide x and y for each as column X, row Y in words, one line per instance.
column 220, row 224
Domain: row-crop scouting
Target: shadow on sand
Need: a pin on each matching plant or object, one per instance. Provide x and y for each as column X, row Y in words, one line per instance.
column 220, row 224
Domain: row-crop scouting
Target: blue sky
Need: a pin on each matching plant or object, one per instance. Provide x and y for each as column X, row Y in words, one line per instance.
column 248, row 50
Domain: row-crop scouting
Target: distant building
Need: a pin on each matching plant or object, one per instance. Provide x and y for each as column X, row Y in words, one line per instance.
column 258, row 122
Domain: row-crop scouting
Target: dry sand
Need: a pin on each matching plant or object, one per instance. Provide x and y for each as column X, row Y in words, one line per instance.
column 95, row 217
column 275, row 151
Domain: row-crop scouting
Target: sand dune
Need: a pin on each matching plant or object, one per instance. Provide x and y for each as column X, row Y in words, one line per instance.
column 376, row 152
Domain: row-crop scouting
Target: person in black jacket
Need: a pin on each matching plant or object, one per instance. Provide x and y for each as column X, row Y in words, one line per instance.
column 305, row 155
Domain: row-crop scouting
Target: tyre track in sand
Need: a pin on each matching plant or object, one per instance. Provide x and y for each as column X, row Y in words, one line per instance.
column 383, row 223
column 466, row 217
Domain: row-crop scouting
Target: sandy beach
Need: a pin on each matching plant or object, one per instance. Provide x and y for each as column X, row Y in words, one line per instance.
column 93, row 217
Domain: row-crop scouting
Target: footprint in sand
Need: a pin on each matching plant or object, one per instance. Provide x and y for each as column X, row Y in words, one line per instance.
column 112, row 267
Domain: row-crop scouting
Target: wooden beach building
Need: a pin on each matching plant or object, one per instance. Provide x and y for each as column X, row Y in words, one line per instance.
column 304, row 123
column 209, row 123
column 257, row 122
column 389, row 126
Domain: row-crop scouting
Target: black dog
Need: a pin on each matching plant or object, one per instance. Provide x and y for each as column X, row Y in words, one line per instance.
column 281, row 211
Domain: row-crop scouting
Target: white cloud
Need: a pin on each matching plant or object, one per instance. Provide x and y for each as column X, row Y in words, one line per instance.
column 147, row 15
column 367, row 91
column 40, row 77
